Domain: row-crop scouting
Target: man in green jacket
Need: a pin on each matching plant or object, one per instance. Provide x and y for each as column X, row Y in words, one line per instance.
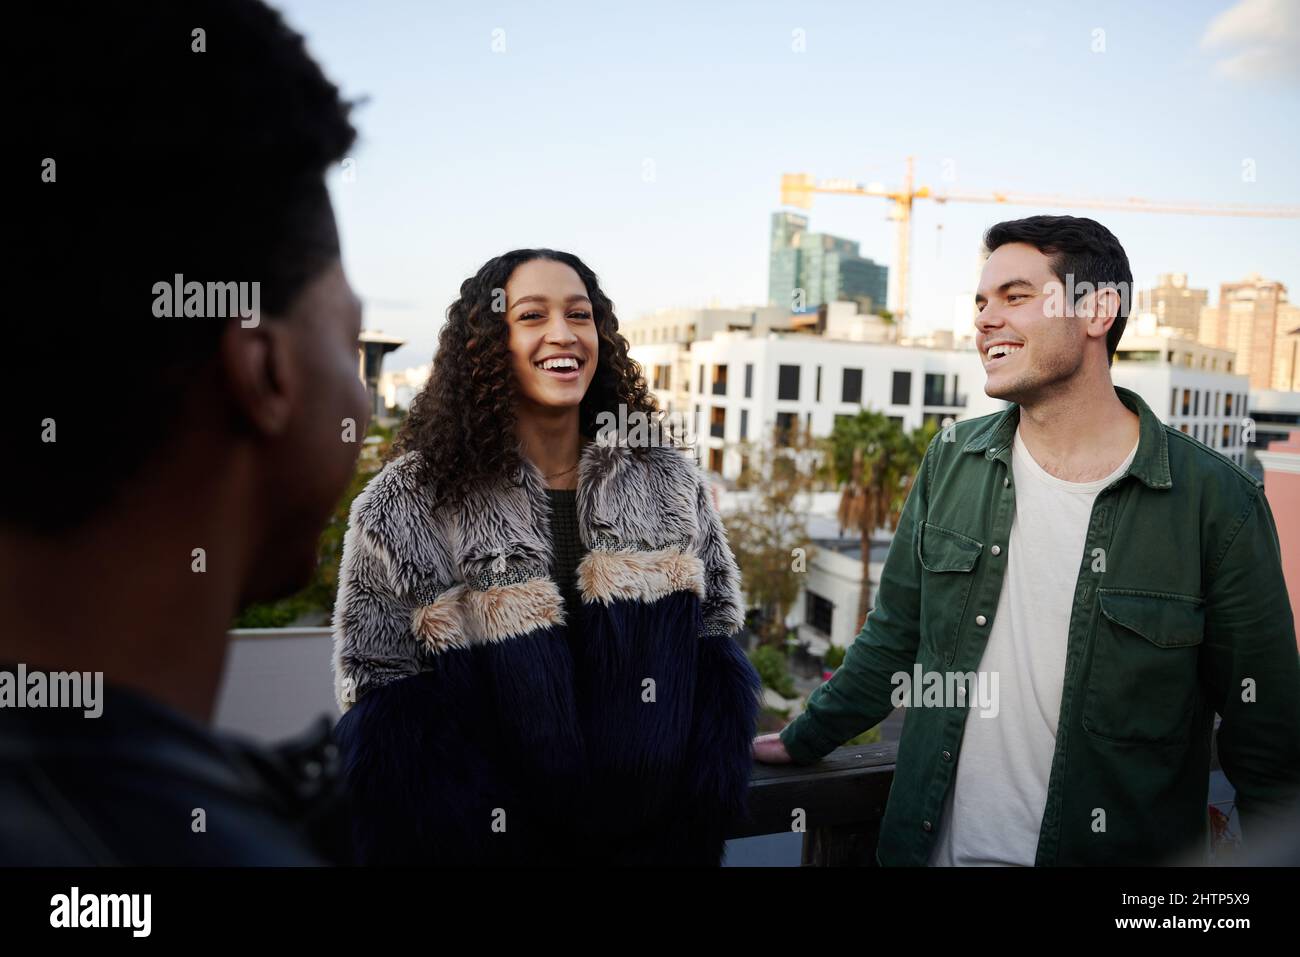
column 1074, row 590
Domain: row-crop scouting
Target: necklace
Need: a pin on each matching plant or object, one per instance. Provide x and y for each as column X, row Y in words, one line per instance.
column 565, row 472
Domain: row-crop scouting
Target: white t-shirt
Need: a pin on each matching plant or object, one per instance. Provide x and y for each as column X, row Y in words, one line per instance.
column 994, row 808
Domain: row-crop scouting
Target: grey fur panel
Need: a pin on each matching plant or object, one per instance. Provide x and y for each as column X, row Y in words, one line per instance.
column 399, row 555
column 723, row 612
column 372, row 639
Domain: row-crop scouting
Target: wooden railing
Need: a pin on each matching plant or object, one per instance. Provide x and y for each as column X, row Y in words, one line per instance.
column 842, row 799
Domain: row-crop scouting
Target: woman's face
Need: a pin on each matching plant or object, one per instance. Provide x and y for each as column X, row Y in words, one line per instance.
column 553, row 342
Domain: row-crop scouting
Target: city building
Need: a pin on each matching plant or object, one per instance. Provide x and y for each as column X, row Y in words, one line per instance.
column 372, row 346
column 1255, row 320
column 1173, row 303
column 1189, row 385
column 1280, row 464
column 398, row 389
column 741, row 387
column 1274, row 418
column 808, row 269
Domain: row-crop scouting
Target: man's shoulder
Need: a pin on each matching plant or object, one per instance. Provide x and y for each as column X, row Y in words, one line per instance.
column 137, row 785
column 1194, row 461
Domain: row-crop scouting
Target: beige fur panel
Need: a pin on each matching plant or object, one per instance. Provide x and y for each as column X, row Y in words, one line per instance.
column 508, row 611
column 440, row 624
column 609, row 576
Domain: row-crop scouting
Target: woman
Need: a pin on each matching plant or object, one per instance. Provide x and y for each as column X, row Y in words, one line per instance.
column 534, row 631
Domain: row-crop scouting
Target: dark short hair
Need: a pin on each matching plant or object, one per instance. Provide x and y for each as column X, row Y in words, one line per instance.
column 1076, row 246
column 167, row 159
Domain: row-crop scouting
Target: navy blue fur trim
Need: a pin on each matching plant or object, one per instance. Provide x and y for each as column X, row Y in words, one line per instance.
column 715, row 780
column 636, row 746
column 429, row 759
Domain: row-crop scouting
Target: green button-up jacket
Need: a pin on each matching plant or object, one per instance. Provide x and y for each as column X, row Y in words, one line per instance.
column 1180, row 612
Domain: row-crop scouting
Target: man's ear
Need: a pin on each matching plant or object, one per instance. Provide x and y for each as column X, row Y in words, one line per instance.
column 258, row 367
column 1099, row 307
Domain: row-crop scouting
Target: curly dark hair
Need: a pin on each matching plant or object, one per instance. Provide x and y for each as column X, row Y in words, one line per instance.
column 462, row 424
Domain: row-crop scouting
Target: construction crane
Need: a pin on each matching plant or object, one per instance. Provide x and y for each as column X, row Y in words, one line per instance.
column 797, row 189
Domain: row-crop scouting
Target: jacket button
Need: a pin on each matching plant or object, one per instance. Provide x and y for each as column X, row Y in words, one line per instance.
column 927, row 826
column 947, row 755
column 1006, row 482
column 981, row 620
column 997, row 549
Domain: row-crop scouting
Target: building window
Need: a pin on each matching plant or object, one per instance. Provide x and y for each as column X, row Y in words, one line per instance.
column 1173, row 401
column 749, row 380
column 1227, row 403
column 1225, row 435
column 1196, row 402
column 934, row 389
column 851, row 391
column 785, row 424
column 787, row 385
column 717, row 421
column 700, row 390
column 744, row 424
column 902, row 388
column 720, row 380
column 1187, row 403
column 715, row 460
column 817, row 389
column 896, row 420
column 818, row 612
column 663, row 377
column 1217, row 397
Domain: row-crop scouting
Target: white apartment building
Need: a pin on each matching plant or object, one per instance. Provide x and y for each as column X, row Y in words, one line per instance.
column 741, row 387
column 1189, row 385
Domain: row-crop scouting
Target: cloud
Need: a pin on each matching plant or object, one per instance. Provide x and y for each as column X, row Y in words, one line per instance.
column 1257, row 40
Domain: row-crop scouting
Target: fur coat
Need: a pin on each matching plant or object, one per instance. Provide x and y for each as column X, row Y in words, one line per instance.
column 474, row 731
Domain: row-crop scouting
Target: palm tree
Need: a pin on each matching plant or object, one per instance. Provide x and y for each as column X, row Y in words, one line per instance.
column 873, row 461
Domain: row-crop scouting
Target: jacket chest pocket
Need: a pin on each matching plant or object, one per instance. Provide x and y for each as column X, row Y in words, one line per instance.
column 948, row 563
column 1142, row 684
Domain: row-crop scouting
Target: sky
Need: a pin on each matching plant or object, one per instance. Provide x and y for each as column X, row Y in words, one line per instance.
column 650, row 138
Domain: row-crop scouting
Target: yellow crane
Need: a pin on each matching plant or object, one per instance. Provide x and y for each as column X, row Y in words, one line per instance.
column 797, row 189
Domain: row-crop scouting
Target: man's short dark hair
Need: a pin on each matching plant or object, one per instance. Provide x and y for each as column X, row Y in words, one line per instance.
column 1078, row 247
column 170, row 139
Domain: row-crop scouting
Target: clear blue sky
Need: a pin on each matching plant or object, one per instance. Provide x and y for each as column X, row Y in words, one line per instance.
column 466, row 152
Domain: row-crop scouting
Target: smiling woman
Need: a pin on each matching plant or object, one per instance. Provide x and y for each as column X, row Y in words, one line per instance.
column 535, row 632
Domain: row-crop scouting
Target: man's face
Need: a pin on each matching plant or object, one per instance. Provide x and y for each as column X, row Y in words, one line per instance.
column 311, row 463
column 1026, row 344
column 553, row 341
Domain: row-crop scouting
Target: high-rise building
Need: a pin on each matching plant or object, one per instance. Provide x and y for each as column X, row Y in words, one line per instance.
column 825, row 268
column 1254, row 320
column 1174, row 303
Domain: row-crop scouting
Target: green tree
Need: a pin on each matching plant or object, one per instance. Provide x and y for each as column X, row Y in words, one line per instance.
column 873, row 461
column 768, row 534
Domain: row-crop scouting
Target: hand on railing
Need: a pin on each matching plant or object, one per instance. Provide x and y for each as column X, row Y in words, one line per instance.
column 769, row 749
